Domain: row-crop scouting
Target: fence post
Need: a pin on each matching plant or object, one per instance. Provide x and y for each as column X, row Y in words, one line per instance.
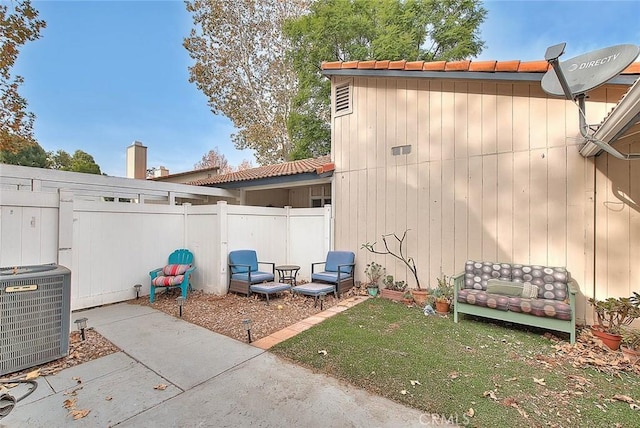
column 65, row 230
column 185, row 225
column 287, row 212
column 223, row 232
column 328, row 229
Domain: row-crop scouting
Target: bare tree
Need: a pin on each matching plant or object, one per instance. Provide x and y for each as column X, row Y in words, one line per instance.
column 214, row 158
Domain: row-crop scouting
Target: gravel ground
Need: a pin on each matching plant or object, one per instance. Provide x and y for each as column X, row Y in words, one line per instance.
column 224, row 314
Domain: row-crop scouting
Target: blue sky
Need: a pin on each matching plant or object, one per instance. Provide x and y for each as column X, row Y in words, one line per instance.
column 106, row 73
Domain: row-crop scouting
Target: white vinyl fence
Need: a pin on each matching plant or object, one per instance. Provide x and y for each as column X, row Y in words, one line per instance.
column 109, row 247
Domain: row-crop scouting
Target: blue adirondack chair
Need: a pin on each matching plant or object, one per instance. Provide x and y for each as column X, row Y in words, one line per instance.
column 177, row 273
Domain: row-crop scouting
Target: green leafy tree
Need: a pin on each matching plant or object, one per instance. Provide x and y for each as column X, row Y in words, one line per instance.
column 242, row 68
column 79, row 162
column 29, row 155
column 345, row 30
column 19, row 24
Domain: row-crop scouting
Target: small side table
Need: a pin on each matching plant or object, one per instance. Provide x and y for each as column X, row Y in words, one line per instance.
column 288, row 273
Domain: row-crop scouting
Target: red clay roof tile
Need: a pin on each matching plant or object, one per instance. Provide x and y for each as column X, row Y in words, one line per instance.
column 472, row 66
column 397, row 65
column 434, row 66
column 414, row 65
column 533, row 67
column 367, row 64
column 457, row 66
column 333, row 65
column 482, row 66
column 350, row 64
column 507, row 65
column 282, row 169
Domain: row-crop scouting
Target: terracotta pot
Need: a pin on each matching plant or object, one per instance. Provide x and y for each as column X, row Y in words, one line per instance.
column 612, row 341
column 420, row 296
column 631, row 355
column 391, row 294
column 442, row 307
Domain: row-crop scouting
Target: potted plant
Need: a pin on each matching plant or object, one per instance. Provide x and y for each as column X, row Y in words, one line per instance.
column 612, row 314
column 630, row 345
column 418, row 293
column 393, row 290
column 374, row 272
column 443, row 294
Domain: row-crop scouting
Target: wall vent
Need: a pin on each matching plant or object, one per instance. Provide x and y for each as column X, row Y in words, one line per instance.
column 343, row 99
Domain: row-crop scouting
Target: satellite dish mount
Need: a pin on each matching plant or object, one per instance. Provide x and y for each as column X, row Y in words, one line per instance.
column 575, row 77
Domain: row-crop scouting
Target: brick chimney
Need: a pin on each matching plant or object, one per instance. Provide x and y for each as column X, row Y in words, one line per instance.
column 137, row 161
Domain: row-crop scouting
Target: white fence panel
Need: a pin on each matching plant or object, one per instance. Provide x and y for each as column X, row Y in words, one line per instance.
column 203, row 240
column 116, row 245
column 109, row 246
column 308, row 238
column 28, row 228
column 261, row 229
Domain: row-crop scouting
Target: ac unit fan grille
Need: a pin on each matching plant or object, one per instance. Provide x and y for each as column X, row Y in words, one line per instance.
column 34, row 324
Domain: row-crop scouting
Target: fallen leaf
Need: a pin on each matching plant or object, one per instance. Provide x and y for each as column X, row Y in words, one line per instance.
column 624, row 398
column 107, row 398
column 415, row 382
column 471, row 413
column 33, row 375
column 634, row 406
column 510, row 401
column 539, row 381
column 323, row 352
column 160, row 387
column 453, row 375
column 511, row 379
column 79, row 414
column 490, row 394
column 522, row 412
column 69, row 403
column 403, row 392
column 77, row 379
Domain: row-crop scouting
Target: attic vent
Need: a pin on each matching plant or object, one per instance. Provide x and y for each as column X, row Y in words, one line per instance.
column 342, row 98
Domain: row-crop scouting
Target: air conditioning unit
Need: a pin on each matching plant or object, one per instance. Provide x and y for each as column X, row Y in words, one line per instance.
column 35, row 309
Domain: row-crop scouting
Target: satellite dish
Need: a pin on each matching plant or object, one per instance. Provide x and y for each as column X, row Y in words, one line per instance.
column 587, row 71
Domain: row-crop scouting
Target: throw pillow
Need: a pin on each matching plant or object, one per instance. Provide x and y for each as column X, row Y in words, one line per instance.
column 173, row 270
column 504, row 288
column 530, row 291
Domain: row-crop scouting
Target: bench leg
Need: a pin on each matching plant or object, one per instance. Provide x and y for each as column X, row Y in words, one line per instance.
column 267, row 294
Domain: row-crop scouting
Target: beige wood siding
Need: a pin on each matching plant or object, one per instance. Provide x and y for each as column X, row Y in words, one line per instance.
column 494, row 174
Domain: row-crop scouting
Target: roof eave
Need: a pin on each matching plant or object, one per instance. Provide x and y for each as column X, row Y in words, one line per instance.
column 273, row 182
column 459, row 75
column 625, row 114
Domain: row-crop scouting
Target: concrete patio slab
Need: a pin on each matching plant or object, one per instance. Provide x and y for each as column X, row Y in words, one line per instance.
column 211, row 381
column 111, row 399
column 269, row 392
column 183, row 353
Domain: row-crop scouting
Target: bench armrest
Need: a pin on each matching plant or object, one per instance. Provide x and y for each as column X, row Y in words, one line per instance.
column 572, row 286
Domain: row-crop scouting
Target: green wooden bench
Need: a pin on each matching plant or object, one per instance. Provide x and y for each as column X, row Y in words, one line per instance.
column 490, row 290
